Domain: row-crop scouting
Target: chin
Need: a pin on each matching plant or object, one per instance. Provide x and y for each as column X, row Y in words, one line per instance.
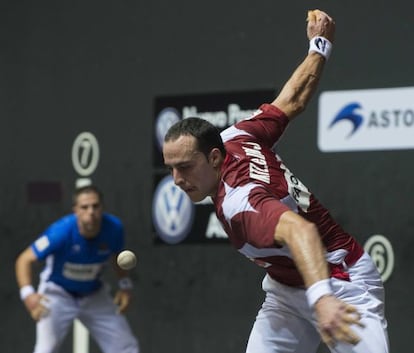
column 195, row 197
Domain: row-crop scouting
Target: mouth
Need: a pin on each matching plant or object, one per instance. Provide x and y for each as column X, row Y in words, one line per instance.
column 189, row 190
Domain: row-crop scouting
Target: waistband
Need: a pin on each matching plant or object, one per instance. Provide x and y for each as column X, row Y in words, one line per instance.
column 79, row 295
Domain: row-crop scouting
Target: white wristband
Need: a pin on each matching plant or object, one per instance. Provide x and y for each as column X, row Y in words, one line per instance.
column 318, row 290
column 321, row 46
column 25, row 291
column 125, row 283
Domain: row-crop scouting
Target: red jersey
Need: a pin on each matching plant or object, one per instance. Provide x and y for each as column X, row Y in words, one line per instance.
column 256, row 188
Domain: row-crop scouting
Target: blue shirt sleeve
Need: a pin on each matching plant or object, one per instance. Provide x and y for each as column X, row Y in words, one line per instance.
column 53, row 238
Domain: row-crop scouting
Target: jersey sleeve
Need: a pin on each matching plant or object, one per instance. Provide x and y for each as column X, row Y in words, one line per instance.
column 259, row 223
column 267, row 124
column 53, row 238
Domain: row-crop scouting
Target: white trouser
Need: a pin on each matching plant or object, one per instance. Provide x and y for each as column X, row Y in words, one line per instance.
column 97, row 312
column 286, row 324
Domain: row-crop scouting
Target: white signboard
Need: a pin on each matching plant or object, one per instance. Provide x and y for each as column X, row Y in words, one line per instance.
column 363, row 120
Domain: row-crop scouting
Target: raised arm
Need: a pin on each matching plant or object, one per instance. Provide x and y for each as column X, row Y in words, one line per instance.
column 299, row 89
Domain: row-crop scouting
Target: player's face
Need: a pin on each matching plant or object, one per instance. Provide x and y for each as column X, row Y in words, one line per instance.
column 88, row 210
column 191, row 170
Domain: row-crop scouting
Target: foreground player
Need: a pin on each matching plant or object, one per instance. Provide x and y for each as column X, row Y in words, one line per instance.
column 319, row 279
column 76, row 248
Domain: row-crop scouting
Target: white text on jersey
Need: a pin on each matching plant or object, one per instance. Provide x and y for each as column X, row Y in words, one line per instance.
column 258, row 168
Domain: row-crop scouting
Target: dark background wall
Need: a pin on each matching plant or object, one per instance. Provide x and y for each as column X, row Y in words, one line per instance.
column 68, row 67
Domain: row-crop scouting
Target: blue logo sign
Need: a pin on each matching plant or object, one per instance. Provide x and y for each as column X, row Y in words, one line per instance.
column 172, row 212
column 348, row 114
column 165, row 119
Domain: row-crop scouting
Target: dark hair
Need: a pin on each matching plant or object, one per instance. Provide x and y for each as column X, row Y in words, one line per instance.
column 84, row 190
column 206, row 134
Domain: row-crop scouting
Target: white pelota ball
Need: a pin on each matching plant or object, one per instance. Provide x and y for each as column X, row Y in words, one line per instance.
column 126, row 260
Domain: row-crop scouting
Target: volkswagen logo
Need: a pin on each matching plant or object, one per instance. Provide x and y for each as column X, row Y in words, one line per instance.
column 172, row 212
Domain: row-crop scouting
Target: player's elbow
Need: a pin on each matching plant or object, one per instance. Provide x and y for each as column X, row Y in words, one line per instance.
column 25, row 258
column 310, row 229
column 298, row 107
column 304, row 230
column 293, row 228
column 292, row 105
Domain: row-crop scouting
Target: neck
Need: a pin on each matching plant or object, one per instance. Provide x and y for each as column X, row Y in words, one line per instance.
column 88, row 233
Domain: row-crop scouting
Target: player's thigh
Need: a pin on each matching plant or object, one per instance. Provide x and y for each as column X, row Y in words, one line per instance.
column 109, row 329
column 53, row 328
column 373, row 339
column 277, row 329
column 365, row 292
column 48, row 335
column 115, row 335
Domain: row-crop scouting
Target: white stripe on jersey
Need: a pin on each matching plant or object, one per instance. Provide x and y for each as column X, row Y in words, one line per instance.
column 236, row 200
column 290, row 202
column 231, row 132
column 333, row 257
column 252, row 252
column 47, row 271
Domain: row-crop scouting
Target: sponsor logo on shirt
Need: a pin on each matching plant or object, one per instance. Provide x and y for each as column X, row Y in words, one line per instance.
column 76, row 248
column 81, row 272
column 42, row 243
column 297, row 190
column 103, row 249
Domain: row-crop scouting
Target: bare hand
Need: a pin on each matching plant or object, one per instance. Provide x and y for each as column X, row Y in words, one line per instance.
column 37, row 305
column 320, row 24
column 122, row 299
column 335, row 318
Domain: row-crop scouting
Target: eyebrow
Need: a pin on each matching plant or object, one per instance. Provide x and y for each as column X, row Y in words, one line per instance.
column 95, row 204
column 179, row 164
column 187, row 161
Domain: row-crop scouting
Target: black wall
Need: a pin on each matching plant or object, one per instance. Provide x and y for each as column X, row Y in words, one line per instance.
column 96, row 66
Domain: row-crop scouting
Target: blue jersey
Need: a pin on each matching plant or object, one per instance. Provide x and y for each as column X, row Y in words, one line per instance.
column 74, row 262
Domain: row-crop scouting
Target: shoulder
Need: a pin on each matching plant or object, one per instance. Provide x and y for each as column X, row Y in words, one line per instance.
column 64, row 223
column 266, row 113
column 112, row 221
column 55, row 235
column 112, row 231
column 266, row 124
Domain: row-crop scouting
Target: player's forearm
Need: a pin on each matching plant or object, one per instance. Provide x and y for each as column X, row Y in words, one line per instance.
column 299, row 89
column 309, row 254
column 303, row 240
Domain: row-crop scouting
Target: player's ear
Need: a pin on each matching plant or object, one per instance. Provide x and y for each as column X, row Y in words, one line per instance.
column 214, row 157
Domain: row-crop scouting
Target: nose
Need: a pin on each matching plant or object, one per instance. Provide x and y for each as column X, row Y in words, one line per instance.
column 91, row 210
column 178, row 179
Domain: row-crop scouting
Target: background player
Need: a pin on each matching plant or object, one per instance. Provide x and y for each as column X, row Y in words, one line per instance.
column 318, row 276
column 76, row 249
